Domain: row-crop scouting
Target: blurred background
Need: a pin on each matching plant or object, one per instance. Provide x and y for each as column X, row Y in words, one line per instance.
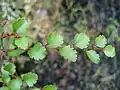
column 69, row 17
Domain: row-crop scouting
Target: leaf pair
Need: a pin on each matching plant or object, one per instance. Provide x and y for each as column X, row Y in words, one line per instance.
column 20, row 27
column 38, row 51
column 101, row 42
column 55, row 40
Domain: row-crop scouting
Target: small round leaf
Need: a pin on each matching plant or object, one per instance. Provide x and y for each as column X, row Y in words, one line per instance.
column 93, row 56
column 20, row 26
column 30, row 78
column 37, row 52
column 54, row 40
column 81, row 40
column 101, row 41
column 68, row 53
column 109, row 51
column 10, row 68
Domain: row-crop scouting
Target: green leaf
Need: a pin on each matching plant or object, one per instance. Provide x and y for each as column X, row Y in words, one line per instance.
column 49, row 87
column 68, row 53
column 109, row 51
column 101, row 41
column 10, row 68
column 54, row 40
column 16, row 52
column 6, row 78
column 15, row 84
column 20, row 26
column 34, row 88
column 93, row 56
column 22, row 42
column 5, row 74
column 81, row 40
column 11, row 43
column 30, row 78
column 4, row 88
column 37, row 52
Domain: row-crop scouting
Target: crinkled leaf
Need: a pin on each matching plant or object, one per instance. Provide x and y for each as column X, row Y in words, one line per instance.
column 54, row 40
column 16, row 52
column 34, row 88
column 30, row 78
column 20, row 26
column 68, row 53
column 37, row 52
column 4, row 88
column 10, row 68
column 22, row 42
column 109, row 51
column 49, row 87
column 93, row 56
column 15, row 84
column 81, row 40
column 101, row 41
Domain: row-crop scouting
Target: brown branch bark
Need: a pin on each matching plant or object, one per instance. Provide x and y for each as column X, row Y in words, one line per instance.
column 7, row 35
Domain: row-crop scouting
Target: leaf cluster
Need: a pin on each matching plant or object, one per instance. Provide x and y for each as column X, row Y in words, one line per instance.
column 13, row 82
column 20, row 44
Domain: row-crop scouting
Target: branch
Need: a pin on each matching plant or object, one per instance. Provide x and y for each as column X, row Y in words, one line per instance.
column 15, row 35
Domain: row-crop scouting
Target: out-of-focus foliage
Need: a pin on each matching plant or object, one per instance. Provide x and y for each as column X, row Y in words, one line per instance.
column 9, row 10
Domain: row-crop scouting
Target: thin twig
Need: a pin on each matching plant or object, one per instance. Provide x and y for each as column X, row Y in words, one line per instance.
column 7, row 35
